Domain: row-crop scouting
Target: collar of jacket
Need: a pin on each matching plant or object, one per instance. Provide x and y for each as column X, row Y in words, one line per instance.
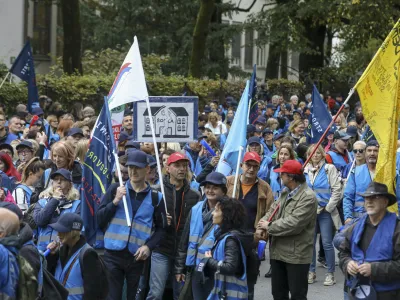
column 146, row 190
column 167, row 183
column 65, row 254
column 296, row 196
column 25, row 233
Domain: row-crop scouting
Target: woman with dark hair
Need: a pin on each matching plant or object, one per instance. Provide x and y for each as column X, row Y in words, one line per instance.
column 225, row 264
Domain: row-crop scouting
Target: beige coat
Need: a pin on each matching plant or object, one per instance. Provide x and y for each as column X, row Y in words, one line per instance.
column 291, row 232
column 336, row 188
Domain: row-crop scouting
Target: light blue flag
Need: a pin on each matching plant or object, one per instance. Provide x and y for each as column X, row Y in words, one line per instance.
column 236, row 138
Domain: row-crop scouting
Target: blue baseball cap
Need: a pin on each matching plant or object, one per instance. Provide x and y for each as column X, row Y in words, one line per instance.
column 152, row 161
column 26, row 144
column 138, row 159
column 124, row 136
column 68, row 222
column 261, row 120
column 251, row 128
column 372, row 143
column 132, row 144
column 215, row 178
column 253, row 139
column 271, row 106
column 267, row 131
column 207, row 109
column 64, row 173
column 352, row 131
column 37, row 111
column 75, row 131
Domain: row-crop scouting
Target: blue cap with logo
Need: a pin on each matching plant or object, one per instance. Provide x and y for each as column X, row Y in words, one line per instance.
column 137, row 159
column 215, row 178
column 68, row 222
column 64, row 173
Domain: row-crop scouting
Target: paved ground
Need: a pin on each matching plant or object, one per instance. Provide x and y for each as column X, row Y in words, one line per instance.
column 316, row 291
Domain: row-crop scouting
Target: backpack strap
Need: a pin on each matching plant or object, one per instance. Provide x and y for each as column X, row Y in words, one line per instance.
column 69, row 270
column 85, row 248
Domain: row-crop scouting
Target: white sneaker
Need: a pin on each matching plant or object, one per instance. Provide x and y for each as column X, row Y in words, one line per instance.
column 329, row 279
column 311, row 277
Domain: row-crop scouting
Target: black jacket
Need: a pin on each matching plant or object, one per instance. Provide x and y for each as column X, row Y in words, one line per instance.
column 29, row 252
column 169, row 244
column 91, row 268
column 203, row 174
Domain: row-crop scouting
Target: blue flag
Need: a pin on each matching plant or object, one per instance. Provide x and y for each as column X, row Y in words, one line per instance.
column 253, row 115
column 24, row 68
column 236, row 138
column 319, row 118
column 97, row 175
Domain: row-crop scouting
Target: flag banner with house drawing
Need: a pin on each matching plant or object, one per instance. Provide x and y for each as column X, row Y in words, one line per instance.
column 174, row 119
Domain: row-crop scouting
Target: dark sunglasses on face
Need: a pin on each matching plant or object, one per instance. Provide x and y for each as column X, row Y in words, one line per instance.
column 358, row 151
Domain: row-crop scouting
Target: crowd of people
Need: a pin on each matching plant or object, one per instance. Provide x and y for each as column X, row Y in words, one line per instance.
column 203, row 238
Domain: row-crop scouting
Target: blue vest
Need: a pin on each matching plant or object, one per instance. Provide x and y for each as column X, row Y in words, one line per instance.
column 379, row 250
column 118, row 235
column 267, row 152
column 275, row 184
column 196, row 252
column 338, row 160
column 9, row 273
column 195, row 167
column 74, row 283
column 234, row 287
column 47, row 234
column 264, row 167
column 28, row 192
column 321, row 186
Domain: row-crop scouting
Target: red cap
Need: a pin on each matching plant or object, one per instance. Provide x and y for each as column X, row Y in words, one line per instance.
column 290, row 167
column 176, row 156
column 252, row 156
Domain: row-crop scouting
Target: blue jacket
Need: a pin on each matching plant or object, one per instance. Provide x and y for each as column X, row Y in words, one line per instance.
column 275, row 183
column 118, row 235
column 353, row 204
column 264, row 167
column 338, row 160
column 27, row 192
column 5, row 181
column 74, row 283
column 379, row 250
column 197, row 163
column 9, row 272
column 321, row 186
column 234, row 287
column 46, row 213
column 196, row 252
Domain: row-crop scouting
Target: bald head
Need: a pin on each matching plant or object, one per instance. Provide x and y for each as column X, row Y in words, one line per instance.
column 9, row 223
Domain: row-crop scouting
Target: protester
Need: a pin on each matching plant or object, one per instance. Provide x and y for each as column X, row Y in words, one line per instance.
column 338, row 154
column 127, row 122
column 324, row 180
column 369, row 254
column 73, row 136
column 128, row 247
column 7, row 166
column 359, row 158
column 5, row 136
column 294, row 224
column 254, row 145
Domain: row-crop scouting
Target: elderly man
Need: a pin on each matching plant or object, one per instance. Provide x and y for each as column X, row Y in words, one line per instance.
column 370, row 248
column 291, row 233
column 9, row 269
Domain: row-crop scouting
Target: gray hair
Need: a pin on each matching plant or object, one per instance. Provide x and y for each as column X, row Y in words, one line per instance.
column 9, row 222
column 274, row 97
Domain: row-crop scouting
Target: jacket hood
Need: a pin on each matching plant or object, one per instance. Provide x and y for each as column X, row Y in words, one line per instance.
column 25, row 233
column 246, row 239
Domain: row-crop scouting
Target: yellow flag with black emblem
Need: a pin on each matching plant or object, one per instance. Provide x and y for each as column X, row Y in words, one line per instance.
column 378, row 89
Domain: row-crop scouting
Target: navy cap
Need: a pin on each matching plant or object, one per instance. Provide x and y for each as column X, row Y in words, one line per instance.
column 201, row 135
column 253, row 139
column 288, row 106
column 234, row 103
column 340, row 135
column 215, row 178
column 13, row 207
column 68, row 222
column 137, row 158
column 64, row 173
column 132, row 144
column 372, row 143
column 352, row 131
column 152, row 161
column 297, row 112
column 9, row 147
column 37, row 111
column 279, row 136
column 26, row 144
column 128, row 112
column 207, row 109
column 261, row 120
column 251, row 128
column 38, row 122
column 124, row 136
column 271, row 106
column 267, row 131
column 74, row 131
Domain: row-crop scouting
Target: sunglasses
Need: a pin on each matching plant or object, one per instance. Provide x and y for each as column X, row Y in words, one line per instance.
column 358, row 151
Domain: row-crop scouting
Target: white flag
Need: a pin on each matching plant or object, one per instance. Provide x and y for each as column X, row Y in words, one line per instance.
column 130, row 83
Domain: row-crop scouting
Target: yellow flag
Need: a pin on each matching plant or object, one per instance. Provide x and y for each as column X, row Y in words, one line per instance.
column 378, row 89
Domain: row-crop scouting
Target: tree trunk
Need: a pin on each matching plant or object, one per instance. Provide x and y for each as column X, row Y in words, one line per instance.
column 72, row 36
column 316, row 39
column 272, row 70
column 284, row 64
column 200, row 36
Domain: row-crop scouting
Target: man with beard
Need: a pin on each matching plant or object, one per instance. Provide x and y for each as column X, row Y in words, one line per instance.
column 127, row 122
column 360, row 177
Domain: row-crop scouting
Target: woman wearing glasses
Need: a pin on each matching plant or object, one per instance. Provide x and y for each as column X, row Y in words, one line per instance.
column 359, row 155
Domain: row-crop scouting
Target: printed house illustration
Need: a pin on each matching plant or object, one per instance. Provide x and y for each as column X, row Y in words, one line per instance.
column 169, row 122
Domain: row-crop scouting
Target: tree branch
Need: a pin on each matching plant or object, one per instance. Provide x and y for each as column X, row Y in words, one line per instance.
column 245, row 9
column 265, row 5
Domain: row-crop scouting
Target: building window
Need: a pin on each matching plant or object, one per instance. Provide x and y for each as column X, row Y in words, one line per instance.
column 147, row 128
column 179, row 127
column 147, row 120
column 236, row 49
column 178, row 120
column 183, row 128
column 248, row 50
column 183, row 121
column 261, row 56
column 41, row 28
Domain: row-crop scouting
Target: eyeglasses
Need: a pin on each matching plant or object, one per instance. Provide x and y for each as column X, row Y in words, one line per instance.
column 24, row 152
column 358, row 151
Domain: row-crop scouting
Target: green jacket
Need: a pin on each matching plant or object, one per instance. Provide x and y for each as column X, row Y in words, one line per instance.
column 291, row 232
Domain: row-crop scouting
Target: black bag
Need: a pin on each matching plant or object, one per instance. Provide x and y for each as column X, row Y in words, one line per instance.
column 28, row 216
column 252, row 266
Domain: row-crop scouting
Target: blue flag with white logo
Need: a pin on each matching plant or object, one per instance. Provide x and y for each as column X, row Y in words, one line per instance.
column 236, row 137
column 24, row 68
column 319, row 118
column 253, row 115
column 97, row 176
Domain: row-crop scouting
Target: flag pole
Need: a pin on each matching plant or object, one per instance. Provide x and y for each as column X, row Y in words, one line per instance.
column 153, row 134
column 237, row 170
column 121, row 183
column 4, row 80
column 351, row 92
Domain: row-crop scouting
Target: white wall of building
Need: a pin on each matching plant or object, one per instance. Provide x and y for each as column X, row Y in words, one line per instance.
column 11, row 29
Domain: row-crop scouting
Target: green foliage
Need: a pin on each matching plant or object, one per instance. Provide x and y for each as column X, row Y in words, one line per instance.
column 285, row 87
